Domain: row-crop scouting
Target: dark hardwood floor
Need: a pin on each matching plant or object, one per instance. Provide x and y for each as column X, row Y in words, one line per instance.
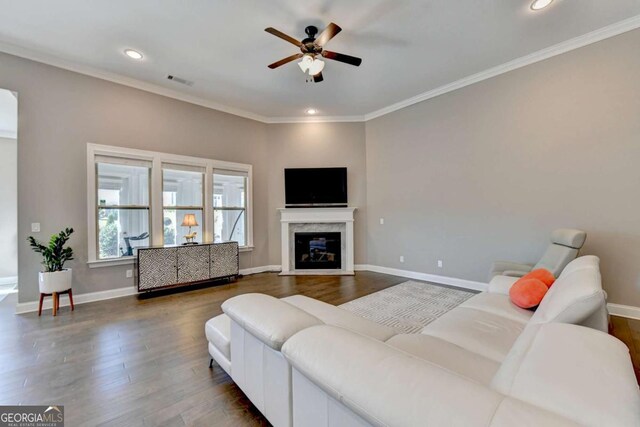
column 144, row 362
column 135, row 362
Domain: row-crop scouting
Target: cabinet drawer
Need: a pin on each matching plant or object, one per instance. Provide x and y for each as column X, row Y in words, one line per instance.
column 224, row 260
column 193, row 263
column 157, row 268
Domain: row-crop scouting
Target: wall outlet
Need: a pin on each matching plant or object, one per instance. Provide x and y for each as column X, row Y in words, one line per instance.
column 129, row 274
column 35, row 227
column 401, row 258
column 439, row 263
column 381, row 221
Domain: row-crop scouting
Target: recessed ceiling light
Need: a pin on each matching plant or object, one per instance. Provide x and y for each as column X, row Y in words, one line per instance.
column 540, row 4
column 312, row 111
column 133, row 54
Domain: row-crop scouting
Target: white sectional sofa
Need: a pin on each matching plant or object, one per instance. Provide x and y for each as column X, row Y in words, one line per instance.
column 485, row 363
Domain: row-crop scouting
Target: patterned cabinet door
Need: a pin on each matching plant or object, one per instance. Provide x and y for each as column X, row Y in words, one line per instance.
column 193, row 263
column 156, row 268
column 224, row 259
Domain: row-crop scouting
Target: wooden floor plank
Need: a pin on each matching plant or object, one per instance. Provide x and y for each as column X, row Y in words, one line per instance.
column 132, row 361
column 144, row 362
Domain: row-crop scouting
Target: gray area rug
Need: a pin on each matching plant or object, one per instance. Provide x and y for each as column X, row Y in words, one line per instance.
column 409, row 306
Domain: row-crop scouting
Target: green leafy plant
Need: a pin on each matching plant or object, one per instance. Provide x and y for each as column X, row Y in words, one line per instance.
column 109, row 237
column 55, row 254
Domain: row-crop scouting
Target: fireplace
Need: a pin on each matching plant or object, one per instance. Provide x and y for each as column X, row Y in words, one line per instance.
column 318, row 251
column 303, row 250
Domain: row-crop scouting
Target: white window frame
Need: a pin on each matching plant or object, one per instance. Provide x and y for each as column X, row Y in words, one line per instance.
column 177, row 208
column 156, row 206
column 246, row 197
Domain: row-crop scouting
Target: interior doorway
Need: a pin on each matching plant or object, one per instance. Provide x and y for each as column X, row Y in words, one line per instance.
column 8, row 194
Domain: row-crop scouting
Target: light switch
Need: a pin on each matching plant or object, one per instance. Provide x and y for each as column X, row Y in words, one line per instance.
column 35, row 227
column 381, row 221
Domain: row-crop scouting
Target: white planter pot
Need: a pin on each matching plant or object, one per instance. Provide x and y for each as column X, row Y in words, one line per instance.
column 55, row 281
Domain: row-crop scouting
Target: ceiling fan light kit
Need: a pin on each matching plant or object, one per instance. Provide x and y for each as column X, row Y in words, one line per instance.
column 312, row 49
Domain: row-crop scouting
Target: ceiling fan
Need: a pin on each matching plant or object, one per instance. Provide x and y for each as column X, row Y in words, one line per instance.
column 311, row 48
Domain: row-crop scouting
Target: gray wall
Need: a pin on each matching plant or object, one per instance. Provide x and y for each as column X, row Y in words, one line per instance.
column 479, row 174
column 317, row 145
column 8, row 208
column 60, row 111
column 486, row 172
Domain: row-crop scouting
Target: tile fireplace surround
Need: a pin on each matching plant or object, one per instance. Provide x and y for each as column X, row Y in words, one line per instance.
column 323, row 220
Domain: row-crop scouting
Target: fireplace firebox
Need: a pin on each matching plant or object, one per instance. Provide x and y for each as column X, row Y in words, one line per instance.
column 318, row 251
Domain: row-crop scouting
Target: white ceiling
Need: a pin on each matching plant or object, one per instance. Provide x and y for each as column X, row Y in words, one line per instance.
column 8, row 114
column 408, row 46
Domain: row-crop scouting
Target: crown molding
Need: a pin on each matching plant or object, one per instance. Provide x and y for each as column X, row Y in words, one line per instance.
column 48, row 59
column 549, row 52
column 541, row 55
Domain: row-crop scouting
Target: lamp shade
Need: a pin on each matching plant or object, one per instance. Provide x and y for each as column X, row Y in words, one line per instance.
column 316, row 67
column 189, row 220
column 306, row 62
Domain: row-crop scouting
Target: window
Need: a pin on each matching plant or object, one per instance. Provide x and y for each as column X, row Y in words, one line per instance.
column 141, row 198
column 122, row 207
column 230, row 206
column 182, row 196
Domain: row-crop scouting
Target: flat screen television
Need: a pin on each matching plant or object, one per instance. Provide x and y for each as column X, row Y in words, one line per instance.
column 315, row 187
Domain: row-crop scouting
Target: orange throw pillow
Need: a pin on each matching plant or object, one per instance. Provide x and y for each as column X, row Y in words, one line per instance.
column 527, row 293
column 545, row 276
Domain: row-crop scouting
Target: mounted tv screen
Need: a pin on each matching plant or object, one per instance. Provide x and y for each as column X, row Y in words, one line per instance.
column 315, row 187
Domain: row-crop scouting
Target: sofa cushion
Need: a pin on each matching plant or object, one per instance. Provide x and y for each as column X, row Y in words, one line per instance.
column 501, row 284
column 385, row 386
column 447, row 355
column 498, row 304
column 218, row 333
column 336, row 316
column 481, row 332
column 269, row 319
column 555, row 258
column 528, row 293
column 575, row 296
column 580, row 373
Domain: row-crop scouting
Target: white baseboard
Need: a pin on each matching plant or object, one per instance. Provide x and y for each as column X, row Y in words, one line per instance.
column 621, row 310
column 27, row 307
column 443, row 280
column 261, row 269
column 8, row 280
column 31, row 306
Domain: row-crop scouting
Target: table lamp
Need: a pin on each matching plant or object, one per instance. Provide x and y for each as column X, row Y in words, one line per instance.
column 189, row 220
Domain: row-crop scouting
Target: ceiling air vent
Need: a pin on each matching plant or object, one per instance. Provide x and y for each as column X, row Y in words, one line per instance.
column 179, row 80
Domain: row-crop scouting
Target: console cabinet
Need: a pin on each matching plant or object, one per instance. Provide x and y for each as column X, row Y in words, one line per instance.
column 164, row 267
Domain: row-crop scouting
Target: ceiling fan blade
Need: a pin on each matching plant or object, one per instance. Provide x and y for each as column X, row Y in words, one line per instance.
column 328, row 33
column 285, row 60
column 283, row 36
column 318, row 78
column 347, row 59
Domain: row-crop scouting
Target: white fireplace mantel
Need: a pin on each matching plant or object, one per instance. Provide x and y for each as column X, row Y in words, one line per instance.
column 309, row 216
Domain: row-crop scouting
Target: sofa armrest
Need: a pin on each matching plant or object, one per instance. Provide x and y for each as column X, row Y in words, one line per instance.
column 500, row 267
column 580, row 373
column 513, row 273
column 267, row 318
column 501, row 284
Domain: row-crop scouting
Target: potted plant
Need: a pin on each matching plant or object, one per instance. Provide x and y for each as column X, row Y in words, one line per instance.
column 54, row 255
